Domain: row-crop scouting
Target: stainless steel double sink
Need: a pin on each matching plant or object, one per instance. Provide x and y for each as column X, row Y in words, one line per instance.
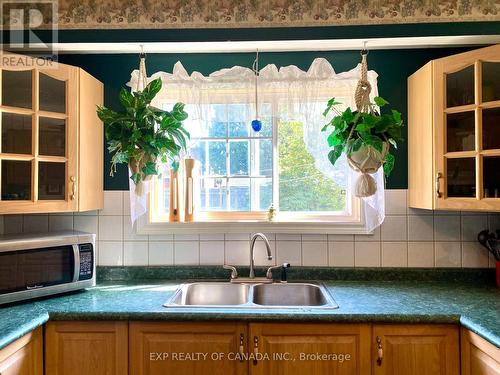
column 244, row 295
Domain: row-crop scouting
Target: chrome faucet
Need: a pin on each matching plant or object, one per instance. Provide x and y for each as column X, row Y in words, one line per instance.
column 252, row 245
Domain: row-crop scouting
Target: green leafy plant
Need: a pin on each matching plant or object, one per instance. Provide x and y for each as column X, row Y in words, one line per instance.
column 141, row 135
column 351, row 130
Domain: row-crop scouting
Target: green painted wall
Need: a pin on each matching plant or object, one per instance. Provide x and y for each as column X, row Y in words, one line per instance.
column 393, row 66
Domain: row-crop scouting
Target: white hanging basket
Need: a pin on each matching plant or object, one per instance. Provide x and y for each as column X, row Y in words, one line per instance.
column 367, row 160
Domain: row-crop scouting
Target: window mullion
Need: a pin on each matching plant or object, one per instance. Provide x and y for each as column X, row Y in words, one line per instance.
column 275, row 163
column 228, row 162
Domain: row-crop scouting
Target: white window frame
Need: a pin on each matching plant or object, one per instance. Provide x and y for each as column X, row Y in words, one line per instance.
column 243, row 222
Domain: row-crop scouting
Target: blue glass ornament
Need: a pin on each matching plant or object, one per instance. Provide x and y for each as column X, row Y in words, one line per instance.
column 256, row 125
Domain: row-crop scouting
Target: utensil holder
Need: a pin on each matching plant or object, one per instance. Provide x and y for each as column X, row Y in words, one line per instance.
column 498, row 273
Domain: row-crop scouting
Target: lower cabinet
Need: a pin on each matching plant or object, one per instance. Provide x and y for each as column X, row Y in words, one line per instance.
column 415, row 350
column 83, row 348
column 296, row 349
column 187, row 348
column 24, row 356
column 232, row 348
column 479, row 357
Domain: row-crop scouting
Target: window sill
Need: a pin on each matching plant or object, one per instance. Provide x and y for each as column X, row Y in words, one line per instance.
column 144, row 226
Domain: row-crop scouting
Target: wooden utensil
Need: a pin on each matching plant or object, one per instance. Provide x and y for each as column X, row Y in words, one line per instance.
column 189, row 205
column 174, row 214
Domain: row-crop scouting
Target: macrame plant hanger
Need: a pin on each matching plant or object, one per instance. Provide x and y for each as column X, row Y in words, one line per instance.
column 142, row 82
column 256, row 123
column 367, row 160
column 142, row 79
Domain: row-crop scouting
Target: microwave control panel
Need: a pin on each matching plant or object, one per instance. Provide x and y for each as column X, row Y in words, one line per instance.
column 86, row 261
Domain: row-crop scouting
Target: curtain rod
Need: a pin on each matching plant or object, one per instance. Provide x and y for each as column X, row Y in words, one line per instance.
column 271, row 46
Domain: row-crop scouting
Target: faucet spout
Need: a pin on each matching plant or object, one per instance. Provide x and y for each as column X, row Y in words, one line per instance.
column 252, row 245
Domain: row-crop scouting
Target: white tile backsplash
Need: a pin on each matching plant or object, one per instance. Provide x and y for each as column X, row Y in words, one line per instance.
column 135, row 253
column 420, row 228
column 161, row 253
column 212, row 252
column 111, row 228
column 367, row 254
column 129, row 231
column 448, row 254
column 447, row 228
column 474, row 255
column 375, row 237
column 394, row 228
column 341, row 254
column 395, row 202
column 472, row 225
column 36, row 223
column 290, row 252
column 421, row 254
column 237, row 253
column 113, row 203
column 60, row 222
column 111, row 253
column 187, row 252
column 314, row 253
column 406, row 239
column 13, row 224
column 86, row 223
column 395, row 254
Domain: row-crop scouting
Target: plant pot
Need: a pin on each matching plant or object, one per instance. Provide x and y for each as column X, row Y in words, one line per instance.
column 367, row 160
column 136, row 165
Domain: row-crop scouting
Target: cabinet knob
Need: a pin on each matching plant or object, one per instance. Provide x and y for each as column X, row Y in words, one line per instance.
column 73, row 187
column 380, row 351
column 439, row 175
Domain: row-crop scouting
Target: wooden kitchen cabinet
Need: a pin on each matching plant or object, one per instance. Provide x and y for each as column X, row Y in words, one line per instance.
column 83, row 348
column 479, row 357
column 51, row 148
column 453, row 132
column 296, row 349
column 24, row 356
column 158, row 348
column 415, row 350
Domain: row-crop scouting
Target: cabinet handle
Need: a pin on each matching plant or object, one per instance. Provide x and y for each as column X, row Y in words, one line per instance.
column 439, row 175
column 241, row 348
column 73, row 187
column 380, row 351
column 255, row 349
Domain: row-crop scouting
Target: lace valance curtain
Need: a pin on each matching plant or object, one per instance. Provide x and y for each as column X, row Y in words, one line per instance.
column 301, row 95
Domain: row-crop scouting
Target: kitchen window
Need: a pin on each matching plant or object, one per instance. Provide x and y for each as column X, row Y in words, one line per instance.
column 243, row 172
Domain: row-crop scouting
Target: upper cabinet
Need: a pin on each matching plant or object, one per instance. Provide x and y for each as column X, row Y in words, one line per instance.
column 51, row 148
column 454, row 132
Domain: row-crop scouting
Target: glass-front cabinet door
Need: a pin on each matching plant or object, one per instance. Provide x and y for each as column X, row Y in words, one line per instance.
column 38, row 139
column 467, row 131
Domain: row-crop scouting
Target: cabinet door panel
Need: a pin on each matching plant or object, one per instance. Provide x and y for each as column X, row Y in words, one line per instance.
column 82, row 348
column 416, row 350
column 17, row 88
column 465, row 109
column 296, row 349
column 159, row 348
column 24, row 356
column 479, row 357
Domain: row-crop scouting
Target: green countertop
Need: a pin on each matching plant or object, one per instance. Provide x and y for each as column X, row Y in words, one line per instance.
column 476, row 306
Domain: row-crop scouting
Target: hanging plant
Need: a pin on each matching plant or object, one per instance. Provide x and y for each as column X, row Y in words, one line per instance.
column 142, row 135
column 364, row 133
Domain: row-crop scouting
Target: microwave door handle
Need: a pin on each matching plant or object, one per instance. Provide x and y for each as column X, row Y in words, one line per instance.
column 76, row 256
